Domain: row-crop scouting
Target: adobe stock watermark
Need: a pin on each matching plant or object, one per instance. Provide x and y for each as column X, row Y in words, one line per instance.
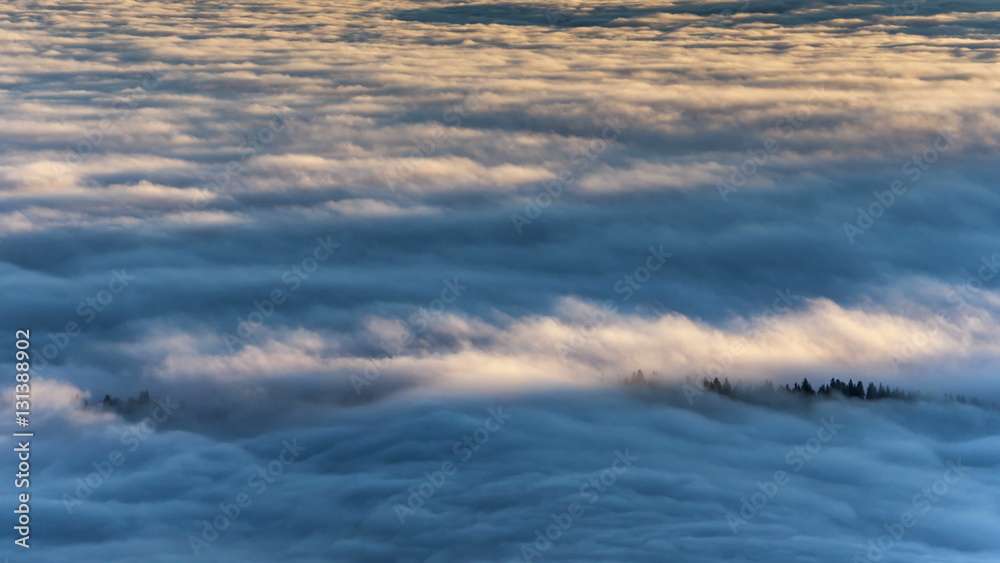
column 796, row 459
column 914, row 169
column 463, row 450
column 132, row 437
column 581, row 160
column 722, row 363
column 626, row 286
column 921, row 503
column 758, row 158
column 88, row 309
column 369, row 30
column 590, row 492
column 292, row 279
column 94, row 137
column 451, row 118
column 728, row 12
column 957, row 296
column 231, row 510
column 908, row 8
column 558, row 16
column 252, row 145
column 416, row 324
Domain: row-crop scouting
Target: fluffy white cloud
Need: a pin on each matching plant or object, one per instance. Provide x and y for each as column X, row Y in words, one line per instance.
column 492, row 174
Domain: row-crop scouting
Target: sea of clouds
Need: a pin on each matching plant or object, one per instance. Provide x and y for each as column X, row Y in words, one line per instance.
column 362, row 225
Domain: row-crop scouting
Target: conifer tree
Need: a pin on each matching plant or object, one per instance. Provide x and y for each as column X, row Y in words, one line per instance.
column 806, row 387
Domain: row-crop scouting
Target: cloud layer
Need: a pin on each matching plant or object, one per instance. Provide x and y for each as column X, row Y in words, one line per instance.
column 629, row 477
column 313, row 208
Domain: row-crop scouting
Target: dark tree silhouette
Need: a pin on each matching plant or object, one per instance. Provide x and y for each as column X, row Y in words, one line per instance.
column 807, row 388
column 836, row 388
